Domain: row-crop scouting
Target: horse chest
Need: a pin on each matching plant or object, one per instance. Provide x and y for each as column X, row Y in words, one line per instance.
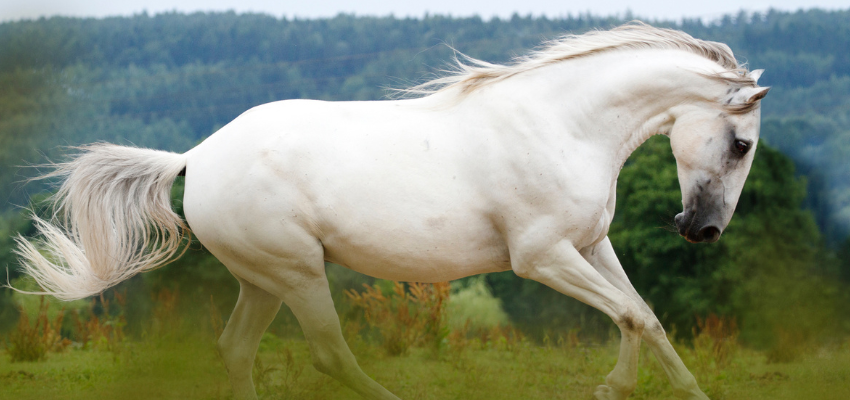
column 575, row 206
column 599, row 218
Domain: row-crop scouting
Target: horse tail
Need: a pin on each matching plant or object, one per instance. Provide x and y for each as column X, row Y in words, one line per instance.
column 112, row 219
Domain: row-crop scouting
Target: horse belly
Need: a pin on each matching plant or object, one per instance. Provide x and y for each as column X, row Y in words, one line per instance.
column 431, row 250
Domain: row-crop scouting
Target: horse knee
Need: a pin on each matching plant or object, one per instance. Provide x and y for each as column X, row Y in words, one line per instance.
column 632, row 320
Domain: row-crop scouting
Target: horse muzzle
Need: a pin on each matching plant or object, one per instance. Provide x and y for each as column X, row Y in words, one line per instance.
column 694, row 230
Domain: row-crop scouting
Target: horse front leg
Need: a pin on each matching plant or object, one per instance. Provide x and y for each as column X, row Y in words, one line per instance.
column 604, row 259
column 562, row 268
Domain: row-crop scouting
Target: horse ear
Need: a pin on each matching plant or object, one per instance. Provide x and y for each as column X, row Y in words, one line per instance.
column 758, row 94
column 756, row 75
column 748, row 95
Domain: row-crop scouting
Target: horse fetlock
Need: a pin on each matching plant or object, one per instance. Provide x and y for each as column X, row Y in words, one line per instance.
column 688, row 389
column 607, row 392
column 252, row 395
column 623, row 385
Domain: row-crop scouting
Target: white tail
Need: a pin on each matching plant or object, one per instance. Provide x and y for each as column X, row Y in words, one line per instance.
column 112, row 220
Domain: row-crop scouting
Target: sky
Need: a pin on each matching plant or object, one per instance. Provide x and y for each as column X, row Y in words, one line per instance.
column 11, row 10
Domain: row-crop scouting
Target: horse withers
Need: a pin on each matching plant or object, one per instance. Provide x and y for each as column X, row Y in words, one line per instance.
column 492, row 168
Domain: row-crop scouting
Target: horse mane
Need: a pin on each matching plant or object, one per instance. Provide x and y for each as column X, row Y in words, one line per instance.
column 468, row 74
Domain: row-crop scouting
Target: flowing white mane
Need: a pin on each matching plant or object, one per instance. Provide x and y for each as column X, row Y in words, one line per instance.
column 469, row 74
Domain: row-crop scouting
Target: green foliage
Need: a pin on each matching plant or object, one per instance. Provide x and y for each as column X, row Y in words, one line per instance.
column 819, row 145
column 475, row 305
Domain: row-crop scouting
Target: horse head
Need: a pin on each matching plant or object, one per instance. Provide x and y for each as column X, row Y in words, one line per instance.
column 714, row 150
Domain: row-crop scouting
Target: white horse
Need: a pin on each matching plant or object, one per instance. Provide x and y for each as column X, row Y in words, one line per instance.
column 499, row 167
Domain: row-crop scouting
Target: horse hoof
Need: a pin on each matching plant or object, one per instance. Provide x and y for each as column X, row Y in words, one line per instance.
column 605, row 392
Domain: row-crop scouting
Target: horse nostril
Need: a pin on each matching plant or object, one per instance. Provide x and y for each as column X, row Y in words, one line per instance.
column 709, row 234
column 679, row 220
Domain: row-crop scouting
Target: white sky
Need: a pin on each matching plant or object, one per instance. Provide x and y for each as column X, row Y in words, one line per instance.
column 663, row 9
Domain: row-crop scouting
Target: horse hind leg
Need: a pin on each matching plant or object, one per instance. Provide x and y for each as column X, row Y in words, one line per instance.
column 297, row 278
column 255, row 310
column 312, row 304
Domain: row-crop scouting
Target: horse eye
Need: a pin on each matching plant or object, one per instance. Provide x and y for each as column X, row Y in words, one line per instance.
column 742, row 146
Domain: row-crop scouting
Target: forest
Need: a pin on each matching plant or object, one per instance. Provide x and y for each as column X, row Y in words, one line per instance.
column 167, row 81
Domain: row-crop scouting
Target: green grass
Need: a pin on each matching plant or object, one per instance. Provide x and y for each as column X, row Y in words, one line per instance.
column 176, row 370
column 190, row 369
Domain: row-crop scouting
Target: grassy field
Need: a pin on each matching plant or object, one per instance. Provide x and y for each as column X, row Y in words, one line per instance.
column 189, row 368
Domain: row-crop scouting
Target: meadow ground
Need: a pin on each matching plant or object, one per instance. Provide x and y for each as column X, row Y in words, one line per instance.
column 189, row 368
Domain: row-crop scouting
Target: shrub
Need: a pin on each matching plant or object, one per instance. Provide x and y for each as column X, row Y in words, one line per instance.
column 32, row 342
column 405, row 318
column 715, row 341
column 475, row 308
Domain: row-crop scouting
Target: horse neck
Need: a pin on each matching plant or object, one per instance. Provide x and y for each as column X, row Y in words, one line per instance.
column 615, row 101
